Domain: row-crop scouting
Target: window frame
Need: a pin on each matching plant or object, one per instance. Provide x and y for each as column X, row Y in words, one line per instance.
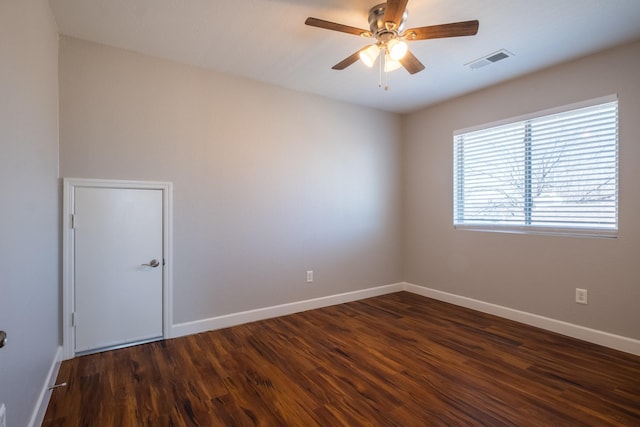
column 577, row 231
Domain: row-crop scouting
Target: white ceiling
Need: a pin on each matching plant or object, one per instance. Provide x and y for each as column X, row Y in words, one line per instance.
column 267, row 40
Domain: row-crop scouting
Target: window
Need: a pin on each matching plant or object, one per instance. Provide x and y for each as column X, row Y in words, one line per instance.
column 554, row 172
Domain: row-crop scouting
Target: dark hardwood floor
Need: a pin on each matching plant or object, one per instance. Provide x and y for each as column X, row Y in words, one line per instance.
column 394, row 360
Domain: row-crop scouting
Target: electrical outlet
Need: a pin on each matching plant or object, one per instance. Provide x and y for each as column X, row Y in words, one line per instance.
column 3, row 416
column 581, row 296
column 309, row 276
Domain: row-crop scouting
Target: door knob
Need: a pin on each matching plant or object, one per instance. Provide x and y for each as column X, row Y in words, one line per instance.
column 153, row 263
column 3, row 338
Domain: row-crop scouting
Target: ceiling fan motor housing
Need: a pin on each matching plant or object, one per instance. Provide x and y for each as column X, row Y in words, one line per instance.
column 379, row 28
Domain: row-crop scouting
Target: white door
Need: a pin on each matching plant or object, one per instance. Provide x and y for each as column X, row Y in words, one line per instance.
column 118, row 266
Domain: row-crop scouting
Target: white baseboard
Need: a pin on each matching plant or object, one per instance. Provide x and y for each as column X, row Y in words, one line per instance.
column 40, row 409
column 234, row 319
column 617, row 342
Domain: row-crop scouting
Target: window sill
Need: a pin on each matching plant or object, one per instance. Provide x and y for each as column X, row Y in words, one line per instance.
column 561, row 232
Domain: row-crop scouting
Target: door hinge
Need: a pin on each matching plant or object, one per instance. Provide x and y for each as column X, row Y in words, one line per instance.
column 73, row 319
column 73, row 221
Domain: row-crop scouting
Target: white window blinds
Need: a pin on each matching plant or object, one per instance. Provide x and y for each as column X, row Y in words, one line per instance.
column 549, row 172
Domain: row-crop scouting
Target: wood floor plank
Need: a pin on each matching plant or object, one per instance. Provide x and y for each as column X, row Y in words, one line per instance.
column 395, row 360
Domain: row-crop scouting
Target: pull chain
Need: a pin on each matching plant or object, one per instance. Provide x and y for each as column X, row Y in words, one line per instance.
column 383, row 65
column 380, row 73
column 386, row 75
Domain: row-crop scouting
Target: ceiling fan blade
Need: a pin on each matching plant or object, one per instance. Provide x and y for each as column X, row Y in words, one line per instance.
column 327, row 25
column 349, row 60
column 411, row 63
column 455, row 29
column 394, row 10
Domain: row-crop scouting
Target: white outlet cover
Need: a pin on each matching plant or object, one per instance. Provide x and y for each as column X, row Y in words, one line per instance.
column 581, row 296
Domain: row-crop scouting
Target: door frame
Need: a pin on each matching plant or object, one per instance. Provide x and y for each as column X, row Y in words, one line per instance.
column 68, row 250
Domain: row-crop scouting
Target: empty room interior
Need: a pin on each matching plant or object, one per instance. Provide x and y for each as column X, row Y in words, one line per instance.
column 319, row 212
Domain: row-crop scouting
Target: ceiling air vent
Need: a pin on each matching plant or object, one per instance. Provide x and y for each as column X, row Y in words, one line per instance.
column 489, row 59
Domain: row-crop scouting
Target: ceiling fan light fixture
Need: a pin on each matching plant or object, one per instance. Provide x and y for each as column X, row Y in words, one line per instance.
column 390, row 64
column 397, row 49
column 369, row 55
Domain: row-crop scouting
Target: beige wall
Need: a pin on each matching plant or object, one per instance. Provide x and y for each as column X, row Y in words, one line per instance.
column 536, row 274
column 29, row 255
column 268, row 182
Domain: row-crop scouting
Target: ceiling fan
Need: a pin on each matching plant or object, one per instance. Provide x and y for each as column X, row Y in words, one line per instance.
column 386, row 23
